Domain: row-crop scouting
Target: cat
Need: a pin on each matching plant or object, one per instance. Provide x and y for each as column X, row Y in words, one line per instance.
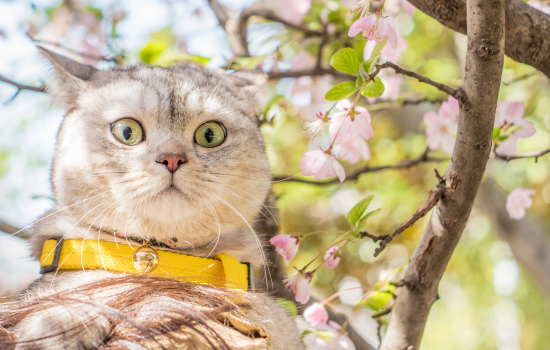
column 171, row 156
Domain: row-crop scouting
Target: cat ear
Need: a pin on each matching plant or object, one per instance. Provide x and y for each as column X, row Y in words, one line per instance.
column 251, row 84
column 68, row 79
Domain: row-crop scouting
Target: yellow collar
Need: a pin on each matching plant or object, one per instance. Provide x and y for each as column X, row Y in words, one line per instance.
column 76, row 254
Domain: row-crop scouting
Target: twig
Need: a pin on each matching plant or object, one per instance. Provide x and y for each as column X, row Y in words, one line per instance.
column 523, row 77
column 420, row 101
column 456, row 93
column 443, row 187
column 423, row 158
column 267, row 14
column 535, row 155
column 308, row 72
column 21, row 87
column 382, row 313
column 9, row 229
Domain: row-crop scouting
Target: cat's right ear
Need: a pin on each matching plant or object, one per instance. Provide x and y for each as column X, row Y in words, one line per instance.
column 68, row 78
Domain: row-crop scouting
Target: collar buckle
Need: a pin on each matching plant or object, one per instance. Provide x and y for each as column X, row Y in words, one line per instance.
column 57, row 254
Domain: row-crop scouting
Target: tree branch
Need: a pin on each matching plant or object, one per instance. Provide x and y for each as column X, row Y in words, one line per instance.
column 354, row 175
column 526, row 28
column 235, row 29
column 443, row 188
column 9, row 229
column 308, row 72
column 21, row 86
column 267, row 14
column 480, row 87
column 441, row 87
column 535, row 155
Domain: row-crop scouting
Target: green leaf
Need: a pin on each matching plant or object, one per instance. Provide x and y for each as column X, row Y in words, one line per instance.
column 289, row 306
column 358, row 210
column 369, row 65
column 363, row 221
column 374, row 88
column 378, row 48
column 341, row 91
column 377, row 300
column 152, row 51
column 345, row 61
column 496, row 133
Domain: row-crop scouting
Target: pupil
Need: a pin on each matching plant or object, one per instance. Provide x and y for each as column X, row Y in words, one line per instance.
column 209, row 135
column 127, row 133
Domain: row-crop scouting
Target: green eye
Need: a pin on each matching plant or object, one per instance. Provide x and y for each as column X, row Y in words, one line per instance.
column 210, row 134
column 127, row 131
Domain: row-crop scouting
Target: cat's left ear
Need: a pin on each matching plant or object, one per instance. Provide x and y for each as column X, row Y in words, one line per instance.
column 252, row 85
column 69, row 78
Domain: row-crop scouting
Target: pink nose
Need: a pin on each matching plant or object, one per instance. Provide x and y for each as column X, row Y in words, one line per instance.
column 172, row 162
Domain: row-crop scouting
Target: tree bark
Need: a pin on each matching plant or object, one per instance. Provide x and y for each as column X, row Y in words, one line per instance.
column 484, row 61
column 526, row 28
column 528, row 238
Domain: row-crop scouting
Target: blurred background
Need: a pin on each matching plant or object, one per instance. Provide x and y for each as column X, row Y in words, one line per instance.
column 489, row 299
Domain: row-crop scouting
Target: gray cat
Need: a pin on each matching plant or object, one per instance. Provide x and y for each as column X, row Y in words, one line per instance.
column 173, row 156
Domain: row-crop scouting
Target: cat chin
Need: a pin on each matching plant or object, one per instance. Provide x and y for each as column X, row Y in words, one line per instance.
column 170, row 206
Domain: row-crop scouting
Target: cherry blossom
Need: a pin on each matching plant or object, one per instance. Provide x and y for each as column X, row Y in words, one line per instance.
column 286, row 245
column 303, row 61
column 321, row 164
column 389, row 53
column 316, row 128
column 441, row 127
column 540, row 5
column 518, row 200
column 357, row 123
column 392, row 85
column 332, row 257
column 353, row 149
column 508, row 115
column 315, row 314
column 291, row 10
column 299, row 284
column 396, row 6
column 374, row 27
column 330, row 338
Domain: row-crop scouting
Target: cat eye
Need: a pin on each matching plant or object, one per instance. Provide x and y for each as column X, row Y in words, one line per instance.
column 127, row 131
column 210, row 134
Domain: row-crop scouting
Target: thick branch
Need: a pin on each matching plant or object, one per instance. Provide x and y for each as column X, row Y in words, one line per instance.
column 484, row 61
column 354, row 175
column 526, row 28
column 236, row 31
column 441, row 87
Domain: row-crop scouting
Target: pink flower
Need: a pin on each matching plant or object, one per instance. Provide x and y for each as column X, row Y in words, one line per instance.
column 316, row 128
column 291, row 10
column 511, row 114
column 332, row 257
column 407, row 7
column 374, row 27
column 342, row 126
column 539, row 5
column 315, row 314
column 303, row 61
column 518, row 200
column 286, row 245
column 353, row 149
column 392, row 54
column 320, row 164
column 393, row 85
column 441, row 127
column 395, row 6
column 299, row 284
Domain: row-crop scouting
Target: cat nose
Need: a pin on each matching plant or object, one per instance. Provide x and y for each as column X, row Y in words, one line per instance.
column 172, row 162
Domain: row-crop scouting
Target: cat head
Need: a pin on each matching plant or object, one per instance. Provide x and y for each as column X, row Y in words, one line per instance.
column 159, row 152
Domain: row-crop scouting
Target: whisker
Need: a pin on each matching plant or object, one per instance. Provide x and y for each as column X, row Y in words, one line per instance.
column 261, row 182
column 266, row 270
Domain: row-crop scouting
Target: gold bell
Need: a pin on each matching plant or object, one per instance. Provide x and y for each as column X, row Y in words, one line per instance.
column 145, row 259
